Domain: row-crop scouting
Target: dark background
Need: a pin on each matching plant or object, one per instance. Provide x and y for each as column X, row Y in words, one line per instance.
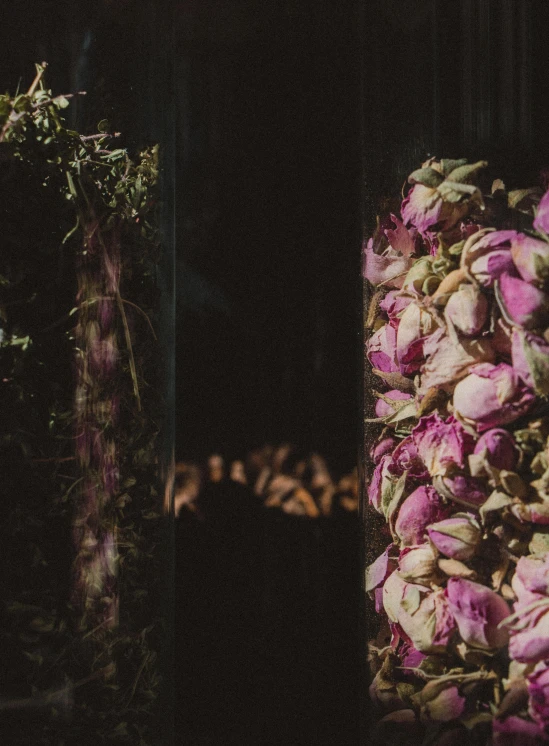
column 268, row 226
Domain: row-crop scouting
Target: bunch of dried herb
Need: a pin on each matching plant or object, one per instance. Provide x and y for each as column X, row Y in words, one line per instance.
column 81, row 403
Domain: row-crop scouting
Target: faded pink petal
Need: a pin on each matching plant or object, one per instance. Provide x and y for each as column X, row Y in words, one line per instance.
column 492, row 395
column 423, row 507
column 388, row 269
column 541, row 221
column 531, row 258
column 477, row 611
column 457, row 537
column 467, row 309
column 406, row 458
column 423, row 615
column 487, row 254
column 498, row 448
column 416, row 324
column 400, row 238
column 383, row 408
column 524, row 304
column 441, row 442
column 381, row 350
column 448, row 360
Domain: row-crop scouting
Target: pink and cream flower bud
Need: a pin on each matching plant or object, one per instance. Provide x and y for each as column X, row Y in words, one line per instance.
column 423, row 507
column 423, row 615
column 478, row 612
column 491, row 395
column 457, row 537
column 467, row 309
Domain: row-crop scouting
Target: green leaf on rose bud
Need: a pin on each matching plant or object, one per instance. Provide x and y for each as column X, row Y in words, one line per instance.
column 539, row 368
column 408, row 410
column 391, row 494
column 465, row 173
column 396, row 381
column 496, row 501
column 454, row 191
column 541, row 267
column 426, row 176
column 412, row 600
column 450, row 164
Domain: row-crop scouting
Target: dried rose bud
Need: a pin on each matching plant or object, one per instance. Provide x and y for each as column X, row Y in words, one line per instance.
column 478, row 612
column 491, row 395
column 419, row 565
column 515, row 731
column 405, row 457
column 461, row 489
column 457, row 537
column 522, row 303
column 422, row 615
column 529, row 625
column 531, row 258
column 395, row 302
column 541, row 221
column 487, row 254
column 386, row 265
column 423, row 507
column 498, row 449
column 381, row 349
column 438, row 207
column 385, row 446
column 448, row 359
column 440, row 701
column 441, row 442
column 531, row 360
column 415, row 325
column 467, row 309
column 376, row 482
column 418, row 273
column 376, row 575
column 384, row 408
column 538, row 692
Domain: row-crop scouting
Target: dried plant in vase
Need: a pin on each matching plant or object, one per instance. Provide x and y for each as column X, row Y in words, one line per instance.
column 82, row 405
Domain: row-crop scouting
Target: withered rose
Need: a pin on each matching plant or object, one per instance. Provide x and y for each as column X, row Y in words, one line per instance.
column 388, row 260
column 384, row 408
column 416, row 323
column 498, row 449
column 491, row 395
column 423, row 615
column 530, row 354
column 423, row 507
column 448, row 360
column 441, row 442
column 541, row 221
column 457, row 537
column 538, row 693
column 478, row 612
column 467, row 309
column 381, row 350
column 405, row 457
column 486, row 255
column 521, row 303
column 531, row 258
column 529, row 625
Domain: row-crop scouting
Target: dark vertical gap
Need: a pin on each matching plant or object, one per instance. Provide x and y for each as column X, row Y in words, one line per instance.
column 467, row 60
column 161, row 90
column 524, row 22
column 435, row 38
column 481, row 60
column 507, row 74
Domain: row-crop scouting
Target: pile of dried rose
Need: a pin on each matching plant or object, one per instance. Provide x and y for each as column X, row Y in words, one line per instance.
column 460, row 343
